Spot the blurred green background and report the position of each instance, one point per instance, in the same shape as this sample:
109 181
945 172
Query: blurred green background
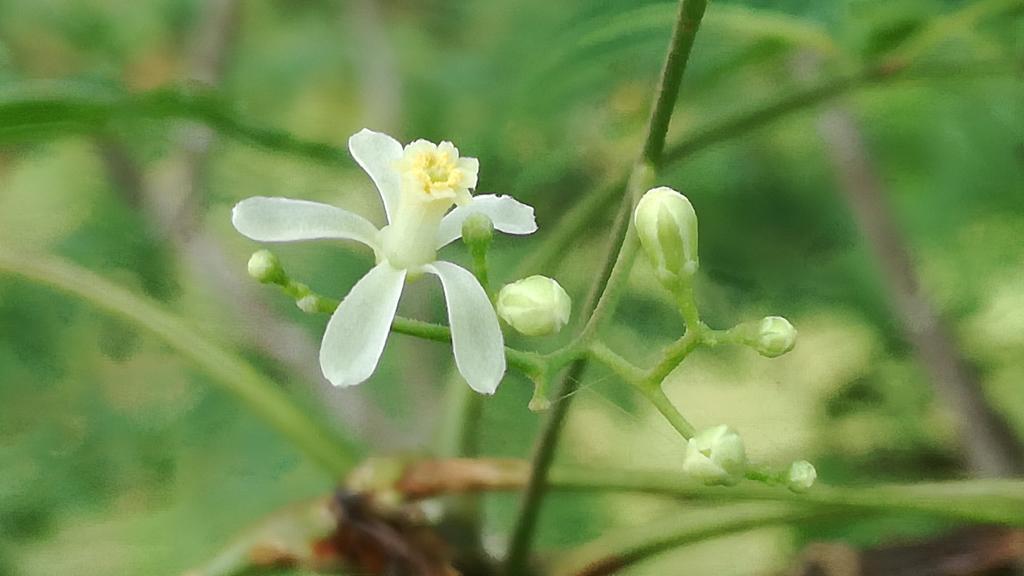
118 457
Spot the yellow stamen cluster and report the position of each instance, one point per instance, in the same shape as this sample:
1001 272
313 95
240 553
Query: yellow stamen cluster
435 172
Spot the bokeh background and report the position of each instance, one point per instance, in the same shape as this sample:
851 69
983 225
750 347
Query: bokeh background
887 224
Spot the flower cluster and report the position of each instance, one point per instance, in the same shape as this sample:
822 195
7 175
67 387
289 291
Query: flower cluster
427 192
419 184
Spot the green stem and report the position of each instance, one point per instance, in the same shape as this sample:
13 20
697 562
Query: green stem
643 382
585 211
265 398
688 307
622 367
76 109
674 354
688 20
995 501
657 397
617 551
601 302
528 363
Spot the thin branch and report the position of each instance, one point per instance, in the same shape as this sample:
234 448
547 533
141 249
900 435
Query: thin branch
982 500
576 220
614 552
68 109
610 279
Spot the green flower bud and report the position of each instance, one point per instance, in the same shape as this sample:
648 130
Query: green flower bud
265 267
801 476
667 227
534 306
477 230
716 456
775 336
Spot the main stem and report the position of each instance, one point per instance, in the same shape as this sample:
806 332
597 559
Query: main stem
600 301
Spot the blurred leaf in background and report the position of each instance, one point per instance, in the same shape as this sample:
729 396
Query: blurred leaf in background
117 457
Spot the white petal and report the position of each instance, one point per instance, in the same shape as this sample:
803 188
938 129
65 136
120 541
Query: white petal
508 215
285 220
378 153
476 337
356 334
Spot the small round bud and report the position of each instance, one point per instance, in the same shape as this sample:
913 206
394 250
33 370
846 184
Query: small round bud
477 230
801 476
716 456
265 267
667 227
775 337
534 306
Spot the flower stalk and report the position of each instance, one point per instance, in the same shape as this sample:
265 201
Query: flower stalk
610 281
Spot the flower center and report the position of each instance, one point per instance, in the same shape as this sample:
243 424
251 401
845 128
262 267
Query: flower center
433 178
435 172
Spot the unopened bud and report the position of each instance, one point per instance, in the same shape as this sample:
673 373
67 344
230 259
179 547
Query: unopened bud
534 306
477 231
716 456
667 227
801 476
775 336
265 267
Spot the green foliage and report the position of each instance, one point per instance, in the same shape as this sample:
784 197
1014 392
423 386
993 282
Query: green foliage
118 458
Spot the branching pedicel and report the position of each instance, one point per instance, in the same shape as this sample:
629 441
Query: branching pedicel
419 184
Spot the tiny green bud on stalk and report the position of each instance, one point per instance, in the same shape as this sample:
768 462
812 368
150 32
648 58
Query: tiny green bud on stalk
801 476
265 267
534 306
716 456
667 227
477 231
775 337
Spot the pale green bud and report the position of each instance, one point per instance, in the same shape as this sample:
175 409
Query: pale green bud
477 230
534 306
265 267
716 456
801 476
667 227
775 337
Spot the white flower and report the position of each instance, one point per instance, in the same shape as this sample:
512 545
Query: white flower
716 456
418 184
